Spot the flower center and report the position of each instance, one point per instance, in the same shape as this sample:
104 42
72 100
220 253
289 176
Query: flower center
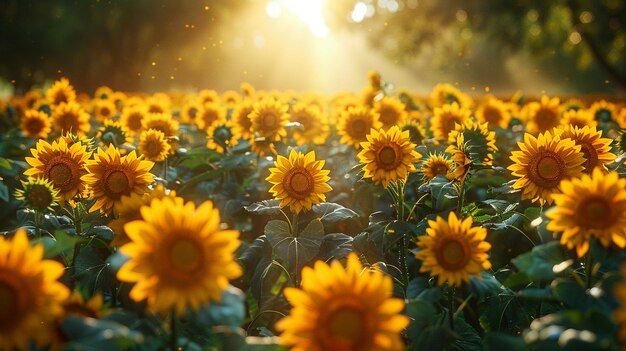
40 197
546 119
388 116
546 169
492 115
595 212
439 168
34 126
11 300
60 174
105 112
388 157
591 157
153 148
270 121
185 255
117 182
453 254
346 323
134 121
359 127
298 182
60 97
68 122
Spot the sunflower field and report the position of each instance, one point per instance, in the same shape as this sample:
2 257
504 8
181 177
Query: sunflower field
276 220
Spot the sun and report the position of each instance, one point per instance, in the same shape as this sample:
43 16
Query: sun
309 12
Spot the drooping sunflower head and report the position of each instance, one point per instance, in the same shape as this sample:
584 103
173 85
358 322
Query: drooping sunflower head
590 206
435 165
495 113
475 140
578 118
417 132
542 116
346 309
314 128
104 109
70 117
35 124
247 89
263 147
603 111
132 117
445 117
355 123
268 118
112 176
221 136
179 256
113 133
374 79
299 181
453 250
596 150
210 114
542 163
61 92
153 145
62 164
461 163
388 156
30 294
391 111
38 194
129 209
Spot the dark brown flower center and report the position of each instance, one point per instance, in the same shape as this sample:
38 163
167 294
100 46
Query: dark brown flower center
453 254
546 169
388 116
594 212
117 183
40 197
359 128
546 119
13 295
34 126
270 121
388 157
153 148
591 157
348 324
62 172
492 115
298 182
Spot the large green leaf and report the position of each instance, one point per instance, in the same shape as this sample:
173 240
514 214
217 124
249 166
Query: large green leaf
538 264
298 250
330 213
265 207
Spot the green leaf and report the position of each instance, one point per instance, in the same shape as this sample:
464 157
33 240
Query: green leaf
91 271
571 294
103 232
539 262
335 245
498 341
60 244
443 192
265 207
295 251
4 163
92 334
229 311
4 192
330 213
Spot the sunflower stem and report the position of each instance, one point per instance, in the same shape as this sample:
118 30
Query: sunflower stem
38 223
294 222
589 269
451 307
174 336
165 166
459 209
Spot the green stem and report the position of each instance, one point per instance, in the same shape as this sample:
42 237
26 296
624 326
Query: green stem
174 336
294 222
165 166
589 269
38 223
459 209
451 307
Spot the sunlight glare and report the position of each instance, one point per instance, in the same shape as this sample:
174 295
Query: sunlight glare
307 11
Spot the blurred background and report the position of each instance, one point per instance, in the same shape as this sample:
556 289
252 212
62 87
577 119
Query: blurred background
567 47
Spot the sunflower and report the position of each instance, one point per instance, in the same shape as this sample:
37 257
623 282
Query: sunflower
210 114
476 140
111 176
76 306
388 156
436 165
231 98
620 117
590 206
263 147
104 109
299 181
355 123
374 79
35 124
132 117
113 133
578 118
158 103
542 163
38 194
369 96
242 125
445 117
269 118
62 164
495 113
128 210
417 132
103 92
603 111
70 117
153 145
445 94
221 137
572 105
162 122
315 128
190 111
542 116
343 309
179 256
453 250
247 89
461 164
596 150
30 295
391 112
208 96
61 91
